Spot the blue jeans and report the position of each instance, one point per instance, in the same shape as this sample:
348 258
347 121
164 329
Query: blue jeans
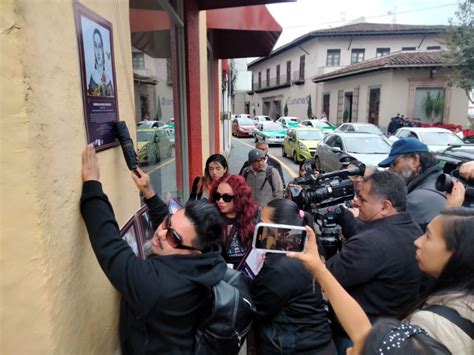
342 343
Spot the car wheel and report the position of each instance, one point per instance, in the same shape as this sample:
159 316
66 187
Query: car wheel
317 163
295 157
283 153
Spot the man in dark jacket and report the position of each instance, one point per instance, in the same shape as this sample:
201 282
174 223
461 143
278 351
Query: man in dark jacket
377 265
412 161
163 296
268 159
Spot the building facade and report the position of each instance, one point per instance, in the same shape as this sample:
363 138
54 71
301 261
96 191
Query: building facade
282 81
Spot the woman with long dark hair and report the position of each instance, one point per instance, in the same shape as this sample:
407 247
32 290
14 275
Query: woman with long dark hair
441 322
233 197
216 167
292 318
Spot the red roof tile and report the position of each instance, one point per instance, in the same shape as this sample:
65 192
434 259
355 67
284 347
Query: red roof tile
395 60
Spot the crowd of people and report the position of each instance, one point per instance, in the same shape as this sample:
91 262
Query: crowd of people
402 282
399 121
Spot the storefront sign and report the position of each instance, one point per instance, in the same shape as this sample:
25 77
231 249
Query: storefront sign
99 88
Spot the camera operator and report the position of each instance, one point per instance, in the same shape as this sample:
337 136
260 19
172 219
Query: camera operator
456 197
377 265
412 161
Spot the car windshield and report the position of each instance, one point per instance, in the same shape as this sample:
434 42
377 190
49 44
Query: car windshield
367 145
310 135
245 121
368 129
440 138
273 128
143 136
320 124
264 118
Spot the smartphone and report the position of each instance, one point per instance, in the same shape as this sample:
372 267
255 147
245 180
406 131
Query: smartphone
279 238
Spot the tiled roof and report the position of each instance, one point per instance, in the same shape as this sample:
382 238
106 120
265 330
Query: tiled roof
395 60
358 29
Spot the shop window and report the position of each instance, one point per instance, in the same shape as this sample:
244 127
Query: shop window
288 71
259 79
302 61
278 74
268 77
358 55
333 57
405 49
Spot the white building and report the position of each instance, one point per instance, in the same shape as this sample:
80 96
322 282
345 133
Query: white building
283 79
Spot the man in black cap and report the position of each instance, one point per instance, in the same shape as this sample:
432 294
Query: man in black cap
264 180
412 161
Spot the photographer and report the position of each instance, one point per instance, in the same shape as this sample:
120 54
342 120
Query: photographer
412 161
377 265
163 297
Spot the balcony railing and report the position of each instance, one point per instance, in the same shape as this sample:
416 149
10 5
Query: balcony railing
298 77
272 85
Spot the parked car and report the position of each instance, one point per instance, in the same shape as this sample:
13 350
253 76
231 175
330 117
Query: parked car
288 122
242 115
435 138
452 157
153 145
151 124
321 124
368 148
300 143
242 127
260 119
170 129
270 132
359 127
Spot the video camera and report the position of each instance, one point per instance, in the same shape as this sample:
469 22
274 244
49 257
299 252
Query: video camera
322 195
444 183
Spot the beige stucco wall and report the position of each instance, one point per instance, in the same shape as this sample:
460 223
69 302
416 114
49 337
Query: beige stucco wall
54 297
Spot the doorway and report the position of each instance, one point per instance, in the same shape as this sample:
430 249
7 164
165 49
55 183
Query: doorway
347 114
374 106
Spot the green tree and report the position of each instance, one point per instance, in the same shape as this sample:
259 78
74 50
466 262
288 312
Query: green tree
310 110
460 42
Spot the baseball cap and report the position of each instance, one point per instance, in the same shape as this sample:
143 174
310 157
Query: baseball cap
255 154
403 146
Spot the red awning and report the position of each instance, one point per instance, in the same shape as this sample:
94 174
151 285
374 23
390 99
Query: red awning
240 32
220 4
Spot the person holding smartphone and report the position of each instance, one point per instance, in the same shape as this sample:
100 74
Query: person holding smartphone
291 315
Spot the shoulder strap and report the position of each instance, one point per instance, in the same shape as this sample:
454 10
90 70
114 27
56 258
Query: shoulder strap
269 178
246 172
453 316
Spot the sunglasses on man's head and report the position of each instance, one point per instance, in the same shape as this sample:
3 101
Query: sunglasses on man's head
225 197
173 238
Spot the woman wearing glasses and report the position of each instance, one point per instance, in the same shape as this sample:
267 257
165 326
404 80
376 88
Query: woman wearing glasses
216 167
233 198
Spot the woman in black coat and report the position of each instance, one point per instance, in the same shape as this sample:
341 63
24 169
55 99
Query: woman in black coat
292 317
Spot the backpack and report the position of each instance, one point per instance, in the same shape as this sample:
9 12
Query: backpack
229 318
268 177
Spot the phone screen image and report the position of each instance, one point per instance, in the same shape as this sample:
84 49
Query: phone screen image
279 238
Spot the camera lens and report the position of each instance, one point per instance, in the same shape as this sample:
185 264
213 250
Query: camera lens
444 183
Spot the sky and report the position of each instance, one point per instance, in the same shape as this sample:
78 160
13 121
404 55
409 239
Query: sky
303 16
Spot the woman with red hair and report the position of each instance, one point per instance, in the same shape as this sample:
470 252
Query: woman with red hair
233 197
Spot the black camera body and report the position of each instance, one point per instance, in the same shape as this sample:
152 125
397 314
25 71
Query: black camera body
322 196
444 183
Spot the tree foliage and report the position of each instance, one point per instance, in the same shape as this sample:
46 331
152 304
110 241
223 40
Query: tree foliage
460 42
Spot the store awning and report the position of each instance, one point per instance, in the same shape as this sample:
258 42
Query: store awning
237 32
240 32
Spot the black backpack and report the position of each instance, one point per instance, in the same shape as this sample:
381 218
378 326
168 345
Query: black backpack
268 177
229 318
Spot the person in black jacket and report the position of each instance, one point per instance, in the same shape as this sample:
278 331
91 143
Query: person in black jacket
268 159
377 265
163 297
292 318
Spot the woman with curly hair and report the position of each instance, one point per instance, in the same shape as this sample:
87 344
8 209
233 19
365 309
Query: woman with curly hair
216 167
233 197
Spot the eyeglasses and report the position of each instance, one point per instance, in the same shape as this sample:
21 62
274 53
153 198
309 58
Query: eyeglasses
225 197
173 238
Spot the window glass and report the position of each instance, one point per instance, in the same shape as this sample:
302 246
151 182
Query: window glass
357 55
333 57
382 51
367 145
155 88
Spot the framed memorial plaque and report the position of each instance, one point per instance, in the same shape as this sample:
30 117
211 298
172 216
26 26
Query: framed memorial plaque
131 234
99 87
